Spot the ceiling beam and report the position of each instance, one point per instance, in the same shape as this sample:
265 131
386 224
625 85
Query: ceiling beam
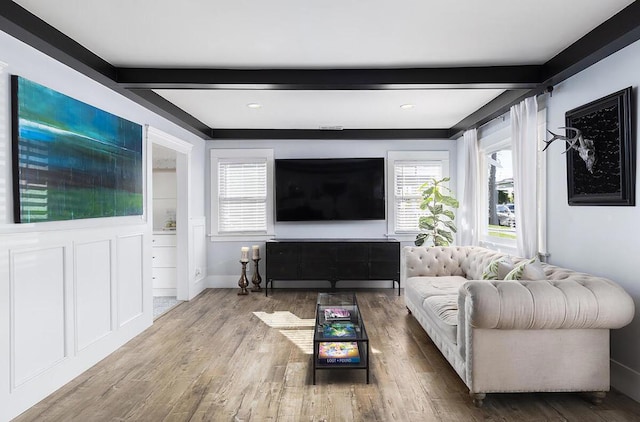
28 28
489 77
356 134
612 35
609 37
136 83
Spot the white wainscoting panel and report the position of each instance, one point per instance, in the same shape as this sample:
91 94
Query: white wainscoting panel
93 283
198 256
130 280
38 312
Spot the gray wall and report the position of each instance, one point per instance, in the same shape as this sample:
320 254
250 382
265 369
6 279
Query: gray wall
601 240
223 256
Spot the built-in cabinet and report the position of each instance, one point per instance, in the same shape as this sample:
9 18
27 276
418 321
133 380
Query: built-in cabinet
164 273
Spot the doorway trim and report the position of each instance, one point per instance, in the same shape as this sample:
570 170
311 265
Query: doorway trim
183 207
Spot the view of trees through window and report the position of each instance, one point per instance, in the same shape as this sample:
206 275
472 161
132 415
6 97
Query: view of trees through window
502 218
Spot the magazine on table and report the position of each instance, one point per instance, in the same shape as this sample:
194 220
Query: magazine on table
334 314
338 352
339 329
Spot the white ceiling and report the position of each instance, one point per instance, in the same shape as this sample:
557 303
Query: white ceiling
258 34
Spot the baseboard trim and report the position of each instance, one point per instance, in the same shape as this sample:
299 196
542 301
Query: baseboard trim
222 281
626 380
165 292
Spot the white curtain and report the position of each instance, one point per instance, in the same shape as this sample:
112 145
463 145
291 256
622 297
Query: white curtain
468 212
524 129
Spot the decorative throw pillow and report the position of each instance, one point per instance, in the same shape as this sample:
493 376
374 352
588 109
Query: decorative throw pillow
530 269
497 269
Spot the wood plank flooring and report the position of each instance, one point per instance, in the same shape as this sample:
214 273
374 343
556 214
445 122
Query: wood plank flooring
223 357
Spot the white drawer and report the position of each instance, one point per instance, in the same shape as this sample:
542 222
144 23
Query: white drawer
164 240
164 256
164 278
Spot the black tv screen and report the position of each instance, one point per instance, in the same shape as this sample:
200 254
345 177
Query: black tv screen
330 189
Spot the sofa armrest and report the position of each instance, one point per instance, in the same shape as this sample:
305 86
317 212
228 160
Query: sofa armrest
588 303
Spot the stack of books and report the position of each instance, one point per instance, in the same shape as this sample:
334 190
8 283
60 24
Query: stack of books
338 352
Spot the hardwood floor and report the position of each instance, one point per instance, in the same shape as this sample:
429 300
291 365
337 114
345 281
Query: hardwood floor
223 357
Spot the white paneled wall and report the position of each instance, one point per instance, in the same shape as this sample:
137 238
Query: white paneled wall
37 318
93 291
74 296
198 258
72 292
130 288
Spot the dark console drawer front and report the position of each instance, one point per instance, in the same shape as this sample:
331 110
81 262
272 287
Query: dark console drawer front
282 252
352 252
387 252
315 270
320 252
352 271
282 270
384 271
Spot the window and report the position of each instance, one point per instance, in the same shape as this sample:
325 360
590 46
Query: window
241 186
497 212
407 171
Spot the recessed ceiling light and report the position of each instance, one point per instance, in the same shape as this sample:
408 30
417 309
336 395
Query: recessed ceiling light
407 106
254 105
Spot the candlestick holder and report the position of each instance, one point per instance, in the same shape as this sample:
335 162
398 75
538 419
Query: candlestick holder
256 279
243 282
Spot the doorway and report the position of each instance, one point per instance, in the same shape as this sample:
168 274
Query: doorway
169 210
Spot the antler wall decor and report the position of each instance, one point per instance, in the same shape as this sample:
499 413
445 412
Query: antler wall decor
585 147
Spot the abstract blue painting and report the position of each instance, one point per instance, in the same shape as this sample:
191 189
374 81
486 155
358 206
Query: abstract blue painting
72 160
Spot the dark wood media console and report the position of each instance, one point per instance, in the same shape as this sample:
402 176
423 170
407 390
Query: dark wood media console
333 260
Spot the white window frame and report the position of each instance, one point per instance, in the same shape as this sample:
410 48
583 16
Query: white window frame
246 155
442 157
493 137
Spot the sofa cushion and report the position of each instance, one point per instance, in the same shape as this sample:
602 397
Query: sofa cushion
498 269
417 289
530 269
444 310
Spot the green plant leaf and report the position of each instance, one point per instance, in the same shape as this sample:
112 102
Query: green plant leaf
447 236
428 191
420 238
451 226
449 214
449 201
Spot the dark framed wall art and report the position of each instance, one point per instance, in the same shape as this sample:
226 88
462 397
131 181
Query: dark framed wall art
606 123
71 160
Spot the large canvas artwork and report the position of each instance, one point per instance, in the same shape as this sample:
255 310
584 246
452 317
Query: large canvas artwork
72 160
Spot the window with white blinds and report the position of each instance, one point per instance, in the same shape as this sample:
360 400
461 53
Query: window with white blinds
242 196
240 191
408 170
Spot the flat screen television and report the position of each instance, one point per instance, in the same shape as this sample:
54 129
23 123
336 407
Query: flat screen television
330 189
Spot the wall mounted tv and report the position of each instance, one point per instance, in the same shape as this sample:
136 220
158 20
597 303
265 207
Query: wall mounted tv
71 160
330 189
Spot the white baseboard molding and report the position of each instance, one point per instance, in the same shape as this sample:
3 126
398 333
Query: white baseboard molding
199 286
165 292
222 281
625 380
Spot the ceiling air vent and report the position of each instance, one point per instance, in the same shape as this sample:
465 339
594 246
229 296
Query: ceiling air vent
331 128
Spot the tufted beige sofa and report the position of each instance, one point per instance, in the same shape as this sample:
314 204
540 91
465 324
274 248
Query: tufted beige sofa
515 336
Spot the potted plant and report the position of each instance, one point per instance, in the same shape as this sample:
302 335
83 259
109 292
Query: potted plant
438 224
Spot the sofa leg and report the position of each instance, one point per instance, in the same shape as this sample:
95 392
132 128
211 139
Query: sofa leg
477 398
408 310
597 397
